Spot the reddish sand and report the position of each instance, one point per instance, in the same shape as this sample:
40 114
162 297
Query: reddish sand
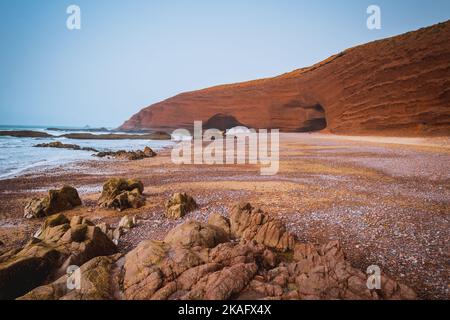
398 86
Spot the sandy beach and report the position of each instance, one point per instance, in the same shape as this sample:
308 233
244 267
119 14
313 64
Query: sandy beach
386 200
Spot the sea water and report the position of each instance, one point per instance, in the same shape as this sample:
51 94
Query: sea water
17 155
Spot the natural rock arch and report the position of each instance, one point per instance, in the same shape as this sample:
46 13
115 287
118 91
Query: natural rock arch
222 122
315 119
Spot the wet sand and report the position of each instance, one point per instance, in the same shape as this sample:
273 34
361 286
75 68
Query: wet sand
386 199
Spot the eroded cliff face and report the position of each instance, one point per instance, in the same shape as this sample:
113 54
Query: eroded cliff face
395 86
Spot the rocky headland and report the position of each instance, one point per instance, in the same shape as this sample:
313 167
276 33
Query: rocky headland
60 145
159 135
25 134
393 87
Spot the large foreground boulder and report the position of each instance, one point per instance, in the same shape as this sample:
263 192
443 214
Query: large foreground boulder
197 261
193 234
220 222
94 280
121 194
59 243
55 201
179 205
251 223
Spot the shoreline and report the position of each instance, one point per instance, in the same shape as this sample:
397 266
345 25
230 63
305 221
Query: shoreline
43 166
386 202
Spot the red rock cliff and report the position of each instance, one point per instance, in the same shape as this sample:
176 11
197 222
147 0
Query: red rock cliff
395 86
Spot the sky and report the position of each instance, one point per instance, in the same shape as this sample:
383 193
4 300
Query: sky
130 54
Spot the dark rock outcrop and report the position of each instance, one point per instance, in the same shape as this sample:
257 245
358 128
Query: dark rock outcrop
95 277
87 129
156 135
128 155
60 145
58 244
121 194
118 136
179 205
149 153
197 261
55 201
250 223
25 134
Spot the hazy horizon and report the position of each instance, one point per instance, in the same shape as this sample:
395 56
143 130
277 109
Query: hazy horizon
129 55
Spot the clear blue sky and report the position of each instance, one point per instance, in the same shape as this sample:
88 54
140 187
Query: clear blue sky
130 54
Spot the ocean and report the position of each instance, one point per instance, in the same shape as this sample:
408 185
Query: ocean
18 156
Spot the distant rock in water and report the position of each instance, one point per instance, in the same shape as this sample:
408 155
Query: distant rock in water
128 155
55 201
58 144
158 135
118 136
25 134
88 129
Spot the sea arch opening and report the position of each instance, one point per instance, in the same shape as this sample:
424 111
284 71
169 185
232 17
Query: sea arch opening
313 118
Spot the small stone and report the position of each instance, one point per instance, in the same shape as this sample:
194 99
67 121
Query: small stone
148 152
110 234
117 233
127 223
104 227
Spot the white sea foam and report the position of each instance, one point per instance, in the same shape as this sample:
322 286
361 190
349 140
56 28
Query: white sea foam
17 155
